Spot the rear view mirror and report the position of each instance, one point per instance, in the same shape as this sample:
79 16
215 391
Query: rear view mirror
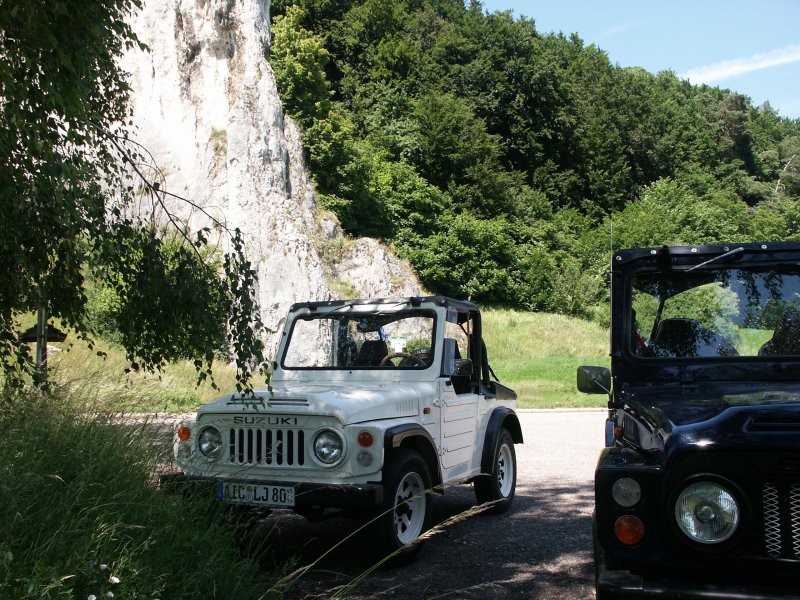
594 380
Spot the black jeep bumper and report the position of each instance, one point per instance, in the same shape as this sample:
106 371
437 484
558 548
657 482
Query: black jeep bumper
623 584
364 495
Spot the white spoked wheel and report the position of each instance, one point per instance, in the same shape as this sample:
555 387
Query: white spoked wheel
498 486
406 509
506 467
409 508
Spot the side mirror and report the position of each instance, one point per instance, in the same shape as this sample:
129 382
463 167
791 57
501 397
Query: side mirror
462 367
594 380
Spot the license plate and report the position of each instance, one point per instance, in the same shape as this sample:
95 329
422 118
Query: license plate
255 494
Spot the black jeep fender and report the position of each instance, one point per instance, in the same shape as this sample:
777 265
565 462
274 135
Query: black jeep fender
416 437
501 418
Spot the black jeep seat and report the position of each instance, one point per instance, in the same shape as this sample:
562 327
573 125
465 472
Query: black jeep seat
688 338
371 353
677 337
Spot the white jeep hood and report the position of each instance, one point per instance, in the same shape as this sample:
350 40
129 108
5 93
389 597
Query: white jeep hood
348 402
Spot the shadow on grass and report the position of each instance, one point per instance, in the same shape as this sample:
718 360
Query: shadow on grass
541 548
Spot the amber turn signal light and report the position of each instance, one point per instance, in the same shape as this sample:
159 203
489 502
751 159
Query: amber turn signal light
629 530
365 439
184 433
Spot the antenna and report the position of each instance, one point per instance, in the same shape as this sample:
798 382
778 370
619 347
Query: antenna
611 234
611 254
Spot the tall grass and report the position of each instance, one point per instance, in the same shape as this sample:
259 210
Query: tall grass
537 355
102 382
81 516
97 377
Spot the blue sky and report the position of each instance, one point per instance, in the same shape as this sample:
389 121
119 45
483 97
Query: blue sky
749 47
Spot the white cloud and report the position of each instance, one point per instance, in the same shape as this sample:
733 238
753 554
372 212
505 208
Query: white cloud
620 29
739 66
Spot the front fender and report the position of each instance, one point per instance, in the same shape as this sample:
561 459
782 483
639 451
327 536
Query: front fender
613 464
416 437
501 418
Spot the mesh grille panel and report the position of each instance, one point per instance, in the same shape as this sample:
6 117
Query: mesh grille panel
772 520
781 517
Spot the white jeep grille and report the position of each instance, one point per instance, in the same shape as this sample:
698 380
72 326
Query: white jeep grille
272 447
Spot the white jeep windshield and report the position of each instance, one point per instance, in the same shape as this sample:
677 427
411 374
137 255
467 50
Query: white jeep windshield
715 313
387 340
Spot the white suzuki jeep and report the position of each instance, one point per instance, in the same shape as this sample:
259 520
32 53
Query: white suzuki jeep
372 406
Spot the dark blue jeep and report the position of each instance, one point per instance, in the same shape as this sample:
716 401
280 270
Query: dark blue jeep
698 489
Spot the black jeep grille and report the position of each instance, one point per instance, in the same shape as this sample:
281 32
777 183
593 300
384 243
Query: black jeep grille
272 447
781 515
770 484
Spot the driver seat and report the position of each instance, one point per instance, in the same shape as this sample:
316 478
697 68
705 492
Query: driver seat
371 353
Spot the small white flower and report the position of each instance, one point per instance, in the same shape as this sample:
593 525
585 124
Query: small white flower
92 597
113 579
103 566
110 594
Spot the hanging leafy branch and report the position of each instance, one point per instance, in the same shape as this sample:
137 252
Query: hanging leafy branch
78 203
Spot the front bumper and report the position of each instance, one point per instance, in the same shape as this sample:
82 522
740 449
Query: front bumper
326 495
623 584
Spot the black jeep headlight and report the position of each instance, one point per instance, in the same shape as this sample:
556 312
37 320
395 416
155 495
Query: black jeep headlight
328 447
209 442
707 512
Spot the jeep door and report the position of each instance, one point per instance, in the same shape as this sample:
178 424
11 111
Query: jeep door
459 399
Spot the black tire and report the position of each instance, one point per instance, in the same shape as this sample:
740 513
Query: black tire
498 486
406 511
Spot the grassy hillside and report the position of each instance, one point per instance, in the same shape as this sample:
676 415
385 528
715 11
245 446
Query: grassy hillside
534 353
537 354
101 382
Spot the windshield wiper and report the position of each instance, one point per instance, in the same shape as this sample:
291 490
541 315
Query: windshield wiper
710 260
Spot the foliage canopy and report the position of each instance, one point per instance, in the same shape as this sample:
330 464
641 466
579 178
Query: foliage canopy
73 187
516 151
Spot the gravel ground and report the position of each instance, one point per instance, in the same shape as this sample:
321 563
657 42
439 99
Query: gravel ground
541 548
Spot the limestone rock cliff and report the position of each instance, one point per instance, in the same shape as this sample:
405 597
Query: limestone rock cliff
206 106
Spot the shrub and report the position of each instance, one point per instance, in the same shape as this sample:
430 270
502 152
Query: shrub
102 312
79 508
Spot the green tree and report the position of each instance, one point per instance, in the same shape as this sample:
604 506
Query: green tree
668 213
788 176
467 257
299 59
539 133
69 176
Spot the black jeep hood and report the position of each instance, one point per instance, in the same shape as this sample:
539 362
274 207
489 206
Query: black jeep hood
718 418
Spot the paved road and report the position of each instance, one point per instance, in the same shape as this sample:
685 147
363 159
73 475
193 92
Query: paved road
540 549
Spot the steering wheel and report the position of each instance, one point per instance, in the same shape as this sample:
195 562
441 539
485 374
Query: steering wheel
387 359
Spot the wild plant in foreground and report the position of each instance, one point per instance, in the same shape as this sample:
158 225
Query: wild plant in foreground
76 493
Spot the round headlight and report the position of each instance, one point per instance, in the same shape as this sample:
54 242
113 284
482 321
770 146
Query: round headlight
626 492
707 512
209 442
328 447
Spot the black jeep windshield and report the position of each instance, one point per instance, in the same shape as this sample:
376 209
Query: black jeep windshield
715 313
367 340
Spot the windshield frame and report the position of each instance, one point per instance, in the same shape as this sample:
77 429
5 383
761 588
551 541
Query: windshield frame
734 311
630 372
387 314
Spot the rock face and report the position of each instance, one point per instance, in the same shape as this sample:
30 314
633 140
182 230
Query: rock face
206 107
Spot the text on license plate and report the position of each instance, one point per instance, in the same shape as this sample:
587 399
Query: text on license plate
255 493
